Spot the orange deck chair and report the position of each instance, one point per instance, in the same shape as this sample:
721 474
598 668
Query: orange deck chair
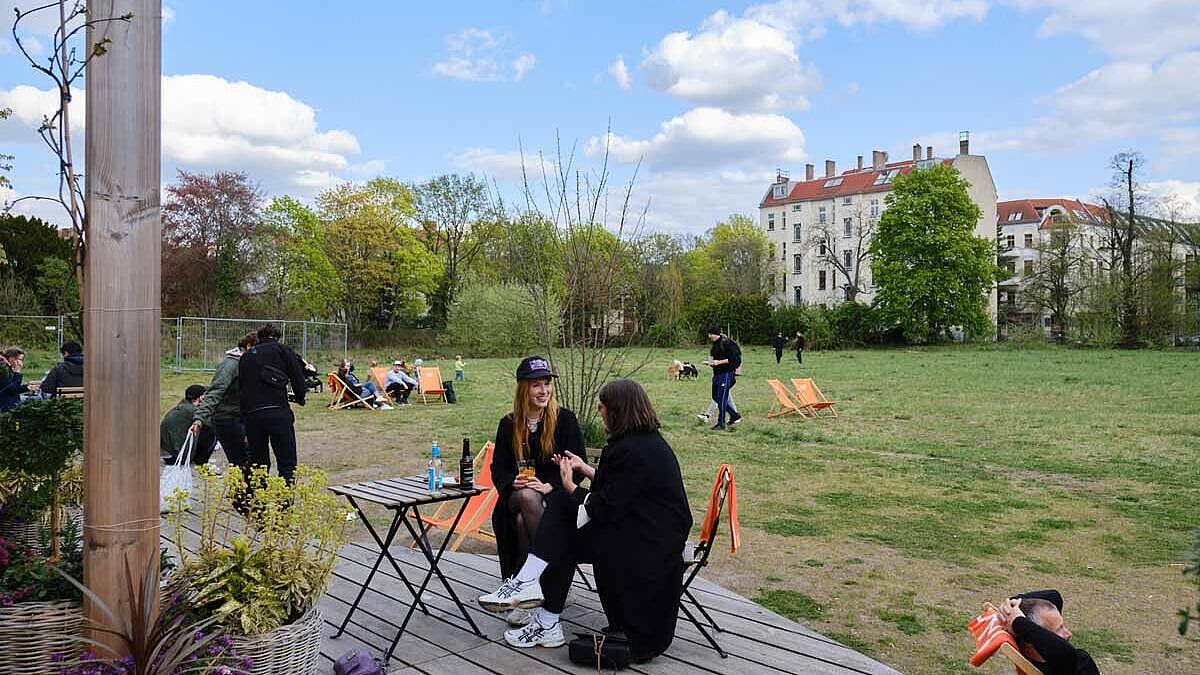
478 513
431 384
723 495
987 629
341 396
811 399
378 375
783 401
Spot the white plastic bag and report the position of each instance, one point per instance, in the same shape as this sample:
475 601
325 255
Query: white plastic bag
177 476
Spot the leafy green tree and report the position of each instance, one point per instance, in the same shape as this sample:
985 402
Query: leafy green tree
56 286
742 257
27 242
508 313
301 280
454 212
930 269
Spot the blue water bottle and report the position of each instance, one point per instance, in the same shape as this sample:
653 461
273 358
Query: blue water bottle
435 469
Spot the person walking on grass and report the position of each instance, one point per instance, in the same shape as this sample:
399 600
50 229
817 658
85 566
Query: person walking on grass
221 410
459 369
264 373
725 359
801 343
779 342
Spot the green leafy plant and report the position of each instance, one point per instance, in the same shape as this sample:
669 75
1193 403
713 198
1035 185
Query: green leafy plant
265 569
28 575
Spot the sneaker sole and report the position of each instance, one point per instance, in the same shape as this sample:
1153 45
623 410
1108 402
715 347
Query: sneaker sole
506 607
548 645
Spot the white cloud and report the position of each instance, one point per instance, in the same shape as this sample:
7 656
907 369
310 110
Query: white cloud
914 14
620 74
737 64
687 202
1143 31
1180 142
168 15
479 55
269 134
1186 192
709 137
495 163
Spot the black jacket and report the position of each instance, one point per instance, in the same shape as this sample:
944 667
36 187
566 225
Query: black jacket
1061 658
68 373
725 348
640 521
779 342
265 361
567 436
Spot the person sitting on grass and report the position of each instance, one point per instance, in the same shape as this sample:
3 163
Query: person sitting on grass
177 424
399 383
363 390
632 525
1036 621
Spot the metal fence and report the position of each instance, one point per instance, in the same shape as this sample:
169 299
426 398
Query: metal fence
190 342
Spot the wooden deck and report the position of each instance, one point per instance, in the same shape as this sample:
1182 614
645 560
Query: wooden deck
756 639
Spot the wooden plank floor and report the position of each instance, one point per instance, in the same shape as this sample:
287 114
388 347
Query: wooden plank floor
756 639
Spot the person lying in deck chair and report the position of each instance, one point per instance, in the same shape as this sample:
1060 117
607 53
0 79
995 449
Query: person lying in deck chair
363 390
399 383
1036 621
632 525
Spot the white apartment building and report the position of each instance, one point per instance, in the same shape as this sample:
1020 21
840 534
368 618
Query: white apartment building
821 227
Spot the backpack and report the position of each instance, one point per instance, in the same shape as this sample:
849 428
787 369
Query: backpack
357 662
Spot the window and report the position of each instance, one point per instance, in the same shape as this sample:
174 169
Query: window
783 221
796 232
783 255
796 264
846 261
1028 269
1028 240
1014 216
833 182
821 215
845 201
797 296
874 208
779 190
1080 214
824 251
846 227
795 207
770 221
1011 266
1009 240
821 280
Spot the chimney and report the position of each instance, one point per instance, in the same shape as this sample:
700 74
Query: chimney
808 172
830 168
916 152
780 176
964 142
860 162
878 159
929 152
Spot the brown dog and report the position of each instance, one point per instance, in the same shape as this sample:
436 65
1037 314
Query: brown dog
673 369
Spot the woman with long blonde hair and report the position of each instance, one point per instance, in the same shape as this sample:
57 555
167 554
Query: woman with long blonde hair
528 439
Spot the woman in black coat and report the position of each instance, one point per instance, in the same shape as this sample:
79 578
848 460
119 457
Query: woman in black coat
534 431
632 526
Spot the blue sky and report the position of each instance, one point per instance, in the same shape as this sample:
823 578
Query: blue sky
712 97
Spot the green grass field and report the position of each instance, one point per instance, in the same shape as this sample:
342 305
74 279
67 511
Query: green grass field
954 475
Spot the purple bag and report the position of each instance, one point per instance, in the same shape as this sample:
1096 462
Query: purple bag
357 662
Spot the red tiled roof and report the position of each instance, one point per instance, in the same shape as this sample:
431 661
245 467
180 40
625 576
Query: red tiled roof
1033 210
854 182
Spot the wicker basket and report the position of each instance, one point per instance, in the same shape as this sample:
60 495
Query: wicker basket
28 532
31 633
293 649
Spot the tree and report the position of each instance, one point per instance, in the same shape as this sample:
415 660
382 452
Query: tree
5 166
931 270
211 224
857 231
28 241
453 209
1060 275
301 282
386 269
743 257
1126 199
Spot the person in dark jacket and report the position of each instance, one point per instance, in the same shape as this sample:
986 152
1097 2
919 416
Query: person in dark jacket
1036 621
779 342
632 525
175 426
725 359
531 434
12 361
801 344
221 409
68 373
264 372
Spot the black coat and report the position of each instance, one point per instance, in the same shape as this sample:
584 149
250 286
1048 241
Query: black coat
725 348
269 357
567 436
640 521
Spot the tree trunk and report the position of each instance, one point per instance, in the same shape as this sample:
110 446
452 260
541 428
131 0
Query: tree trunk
121 309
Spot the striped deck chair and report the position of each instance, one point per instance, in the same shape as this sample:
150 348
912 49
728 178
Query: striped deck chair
342 396
987 630
478 514
811 399
783 401
431 385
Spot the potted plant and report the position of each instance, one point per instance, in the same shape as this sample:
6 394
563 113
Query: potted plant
40 443
261 558
40 615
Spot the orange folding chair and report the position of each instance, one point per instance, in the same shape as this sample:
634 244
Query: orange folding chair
342 396
812 401
431 384
987 630
783 401
378 375
723 491
479 508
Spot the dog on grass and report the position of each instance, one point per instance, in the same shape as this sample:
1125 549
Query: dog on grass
673 369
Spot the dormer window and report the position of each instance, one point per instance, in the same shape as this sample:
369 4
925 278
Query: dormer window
779 191
1014 216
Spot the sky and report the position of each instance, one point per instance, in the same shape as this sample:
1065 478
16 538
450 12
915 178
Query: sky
704 99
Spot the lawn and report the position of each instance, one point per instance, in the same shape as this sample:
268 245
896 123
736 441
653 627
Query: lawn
954 475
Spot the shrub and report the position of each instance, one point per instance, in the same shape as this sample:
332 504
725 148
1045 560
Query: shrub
497 320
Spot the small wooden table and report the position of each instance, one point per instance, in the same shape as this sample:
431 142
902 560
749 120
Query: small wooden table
400 495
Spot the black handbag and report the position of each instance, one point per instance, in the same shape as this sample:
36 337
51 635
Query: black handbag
600 651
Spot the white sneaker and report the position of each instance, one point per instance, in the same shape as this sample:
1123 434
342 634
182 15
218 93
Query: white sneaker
702 417
535 634
518 617
513 594
384 406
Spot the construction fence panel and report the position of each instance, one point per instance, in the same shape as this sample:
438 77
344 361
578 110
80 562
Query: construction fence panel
201 342
31 333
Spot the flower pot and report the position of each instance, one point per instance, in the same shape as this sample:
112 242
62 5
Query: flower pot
293 649
31 633
27 532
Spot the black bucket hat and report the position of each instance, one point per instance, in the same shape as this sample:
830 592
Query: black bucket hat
534 368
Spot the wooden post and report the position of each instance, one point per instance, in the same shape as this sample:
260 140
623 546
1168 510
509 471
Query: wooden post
121 301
